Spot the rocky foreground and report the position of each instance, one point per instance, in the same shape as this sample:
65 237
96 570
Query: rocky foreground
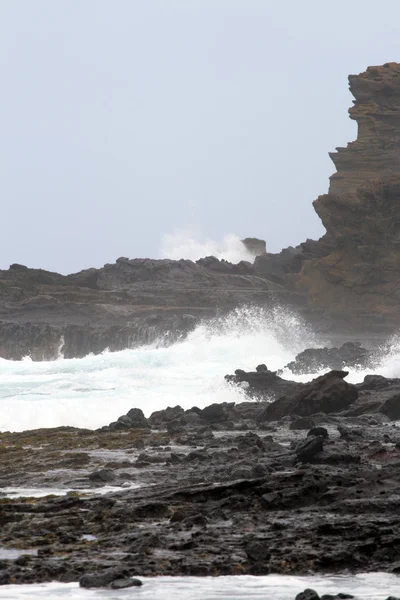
306 483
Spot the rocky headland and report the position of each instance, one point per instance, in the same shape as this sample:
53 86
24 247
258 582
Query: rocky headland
348 281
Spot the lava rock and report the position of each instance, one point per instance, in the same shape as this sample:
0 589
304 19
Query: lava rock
102 579
328 393
391 407
306 450
213 413
102 476
308 594
318 431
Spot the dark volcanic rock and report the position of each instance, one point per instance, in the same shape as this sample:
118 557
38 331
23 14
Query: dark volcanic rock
263 383
391 407
308 594
312 360
328 393
102 476
134 419
122 305
107 577
311 446
213 413
322 431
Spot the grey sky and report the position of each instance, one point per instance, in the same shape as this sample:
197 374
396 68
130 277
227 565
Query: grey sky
121 120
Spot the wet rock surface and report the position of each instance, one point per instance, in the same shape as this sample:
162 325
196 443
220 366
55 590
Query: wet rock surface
221 492
312 360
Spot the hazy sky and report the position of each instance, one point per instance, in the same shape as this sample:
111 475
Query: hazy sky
123 120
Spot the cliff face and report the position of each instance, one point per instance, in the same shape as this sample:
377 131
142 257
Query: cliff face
359 273
122 305
375 153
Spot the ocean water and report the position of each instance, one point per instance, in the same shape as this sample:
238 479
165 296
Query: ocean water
371 586
95 390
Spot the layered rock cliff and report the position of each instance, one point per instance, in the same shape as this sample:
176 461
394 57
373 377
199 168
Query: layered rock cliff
358 272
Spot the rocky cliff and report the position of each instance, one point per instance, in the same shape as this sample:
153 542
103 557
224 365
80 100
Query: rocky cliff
358 270
349 280
122 305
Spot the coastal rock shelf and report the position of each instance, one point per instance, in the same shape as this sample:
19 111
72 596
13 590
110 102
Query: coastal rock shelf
224 490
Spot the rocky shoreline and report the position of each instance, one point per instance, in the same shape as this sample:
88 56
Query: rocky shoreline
303 480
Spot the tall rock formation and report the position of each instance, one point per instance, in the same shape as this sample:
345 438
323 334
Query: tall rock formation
358 274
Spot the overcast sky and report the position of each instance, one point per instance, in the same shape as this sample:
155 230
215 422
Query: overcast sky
123 120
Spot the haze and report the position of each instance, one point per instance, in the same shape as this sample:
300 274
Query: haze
124 120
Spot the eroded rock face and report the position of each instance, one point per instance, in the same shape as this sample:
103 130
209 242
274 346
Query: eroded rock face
328 393
122 305
361 212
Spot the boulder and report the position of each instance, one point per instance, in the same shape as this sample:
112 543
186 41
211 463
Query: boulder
391 407
102 476
263 383
312 360
328 393
308 594
307 449
134 419
103 578
213 413
322 431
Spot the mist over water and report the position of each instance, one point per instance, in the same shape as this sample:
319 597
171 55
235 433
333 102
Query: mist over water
95 390
186 244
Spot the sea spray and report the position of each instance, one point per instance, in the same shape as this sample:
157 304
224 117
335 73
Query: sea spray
95 390
186 244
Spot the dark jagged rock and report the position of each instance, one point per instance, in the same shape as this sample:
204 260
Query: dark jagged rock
263 383
309 448
134 419
328 393
107 577
391 407
312 360
259 496
102 476
308 594
255 246
122 305
322 431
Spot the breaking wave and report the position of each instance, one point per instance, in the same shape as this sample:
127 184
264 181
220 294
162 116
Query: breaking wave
95 390
184 244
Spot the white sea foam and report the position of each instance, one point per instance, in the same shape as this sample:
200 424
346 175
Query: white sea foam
370 586
95 390
185 244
